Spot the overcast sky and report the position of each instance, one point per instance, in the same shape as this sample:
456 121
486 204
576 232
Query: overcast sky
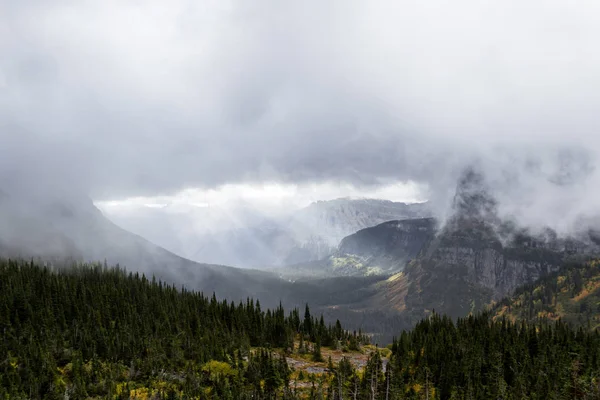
130 98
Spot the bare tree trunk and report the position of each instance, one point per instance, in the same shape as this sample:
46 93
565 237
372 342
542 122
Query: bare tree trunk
372 386
387 383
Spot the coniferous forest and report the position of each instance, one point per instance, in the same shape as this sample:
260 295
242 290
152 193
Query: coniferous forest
92 331
571 294
96 332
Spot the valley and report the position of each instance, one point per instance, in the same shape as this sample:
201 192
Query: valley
381 279
386 283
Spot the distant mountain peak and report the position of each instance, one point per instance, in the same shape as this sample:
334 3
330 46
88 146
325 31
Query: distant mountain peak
473 196
473 201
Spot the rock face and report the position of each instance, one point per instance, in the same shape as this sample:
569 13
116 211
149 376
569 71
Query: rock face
404 238
474 258
495 254
385 248
485 261
474 248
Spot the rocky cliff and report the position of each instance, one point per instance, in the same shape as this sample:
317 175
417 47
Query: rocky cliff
383 249
476 257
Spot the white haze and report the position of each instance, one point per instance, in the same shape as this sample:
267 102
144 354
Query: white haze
129 99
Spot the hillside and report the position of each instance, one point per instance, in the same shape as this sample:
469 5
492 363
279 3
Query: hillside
69 228
95 332
477 358
64 229
571 294
335 219
384 249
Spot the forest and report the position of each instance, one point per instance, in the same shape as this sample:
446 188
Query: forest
572 295
91 331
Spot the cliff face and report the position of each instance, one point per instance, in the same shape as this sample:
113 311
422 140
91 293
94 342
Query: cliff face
385 248
476 257
495 254
489 263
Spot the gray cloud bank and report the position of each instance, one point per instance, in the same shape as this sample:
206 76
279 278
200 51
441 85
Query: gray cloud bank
123 98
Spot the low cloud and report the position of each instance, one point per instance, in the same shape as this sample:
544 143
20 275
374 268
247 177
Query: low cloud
127 98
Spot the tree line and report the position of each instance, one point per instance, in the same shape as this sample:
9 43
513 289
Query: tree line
90 331
94 331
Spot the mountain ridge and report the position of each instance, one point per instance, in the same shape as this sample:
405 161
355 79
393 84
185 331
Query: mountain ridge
255 240
73 230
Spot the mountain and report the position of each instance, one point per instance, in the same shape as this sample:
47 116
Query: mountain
64 229
70 228
246 237
454 266
383 249
571 294
476 257
335 219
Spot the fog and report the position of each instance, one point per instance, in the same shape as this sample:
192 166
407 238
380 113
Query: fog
129 99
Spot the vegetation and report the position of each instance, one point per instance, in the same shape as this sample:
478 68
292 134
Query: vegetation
92 331
571 295
479 358
97 332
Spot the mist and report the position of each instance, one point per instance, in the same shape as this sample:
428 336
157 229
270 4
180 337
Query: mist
119 100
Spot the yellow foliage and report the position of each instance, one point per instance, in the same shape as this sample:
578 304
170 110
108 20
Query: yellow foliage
416 387
589 288
160 385
140 393
119 388
87 367
385 352
219 368
395 277
59 382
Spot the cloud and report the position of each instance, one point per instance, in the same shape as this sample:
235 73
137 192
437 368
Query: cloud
142 98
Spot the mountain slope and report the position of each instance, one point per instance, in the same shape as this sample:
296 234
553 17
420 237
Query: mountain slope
93 332
335 219
387 247
475 258
62 229
572 294
246 237
383 249
56 228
